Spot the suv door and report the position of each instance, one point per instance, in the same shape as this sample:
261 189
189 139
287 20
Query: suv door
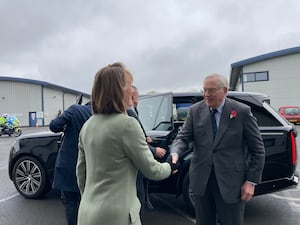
155 113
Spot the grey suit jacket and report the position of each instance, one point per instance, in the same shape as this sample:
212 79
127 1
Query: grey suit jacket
237 153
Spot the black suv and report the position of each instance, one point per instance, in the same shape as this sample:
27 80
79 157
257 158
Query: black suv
32 157
164 114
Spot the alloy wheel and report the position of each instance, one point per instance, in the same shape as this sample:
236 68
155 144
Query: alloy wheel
29 177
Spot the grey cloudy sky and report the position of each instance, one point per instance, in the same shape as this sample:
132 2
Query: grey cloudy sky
168 45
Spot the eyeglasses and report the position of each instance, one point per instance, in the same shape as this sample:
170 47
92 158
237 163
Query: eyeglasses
211 91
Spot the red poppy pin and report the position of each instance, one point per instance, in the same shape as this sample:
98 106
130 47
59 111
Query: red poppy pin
233 114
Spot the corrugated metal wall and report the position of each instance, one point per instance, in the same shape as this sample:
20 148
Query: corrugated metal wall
53 101
283 83
18 99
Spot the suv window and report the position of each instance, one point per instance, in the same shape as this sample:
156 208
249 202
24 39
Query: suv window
180 111
155 113
264 117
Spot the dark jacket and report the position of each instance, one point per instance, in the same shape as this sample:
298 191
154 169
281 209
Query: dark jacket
70 122
134 114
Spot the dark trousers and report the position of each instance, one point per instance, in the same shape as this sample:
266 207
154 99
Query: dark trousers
140 188
211 207
71 202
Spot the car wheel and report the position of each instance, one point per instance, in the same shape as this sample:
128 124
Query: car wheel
29 177
188 194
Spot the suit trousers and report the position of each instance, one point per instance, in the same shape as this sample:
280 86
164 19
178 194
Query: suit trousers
71 201
211 207
140 187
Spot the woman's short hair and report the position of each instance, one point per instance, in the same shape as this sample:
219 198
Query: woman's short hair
107 92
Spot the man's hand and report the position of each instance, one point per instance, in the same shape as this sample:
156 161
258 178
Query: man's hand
173 161
160 152
149 140
247 191
174 158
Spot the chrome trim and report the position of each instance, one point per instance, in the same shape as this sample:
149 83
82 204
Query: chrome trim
278 134
294 178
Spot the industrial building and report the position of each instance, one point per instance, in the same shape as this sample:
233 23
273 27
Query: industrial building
277 74
35 103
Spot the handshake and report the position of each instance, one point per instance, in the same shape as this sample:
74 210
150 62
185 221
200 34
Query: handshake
174 166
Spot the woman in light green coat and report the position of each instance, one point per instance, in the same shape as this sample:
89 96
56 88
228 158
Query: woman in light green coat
112 148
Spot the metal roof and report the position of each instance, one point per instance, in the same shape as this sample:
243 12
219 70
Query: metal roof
237 67
44 84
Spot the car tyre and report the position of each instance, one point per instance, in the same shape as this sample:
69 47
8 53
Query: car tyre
17 132
188 194
29 177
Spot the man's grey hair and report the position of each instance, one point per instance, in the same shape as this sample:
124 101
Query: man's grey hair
223 80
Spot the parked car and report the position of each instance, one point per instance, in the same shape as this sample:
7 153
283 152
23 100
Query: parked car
32 157
291 113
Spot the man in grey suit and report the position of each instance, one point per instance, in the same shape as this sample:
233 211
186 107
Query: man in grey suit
228 154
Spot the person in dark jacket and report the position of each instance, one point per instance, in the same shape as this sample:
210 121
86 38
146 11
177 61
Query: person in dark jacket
158 152
70 122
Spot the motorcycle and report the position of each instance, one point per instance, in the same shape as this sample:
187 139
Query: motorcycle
10 125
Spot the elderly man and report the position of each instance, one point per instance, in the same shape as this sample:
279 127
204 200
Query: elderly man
228 154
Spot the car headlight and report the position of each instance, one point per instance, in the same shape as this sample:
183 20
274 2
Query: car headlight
15 146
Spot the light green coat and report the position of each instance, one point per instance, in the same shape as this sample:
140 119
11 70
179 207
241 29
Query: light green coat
112 149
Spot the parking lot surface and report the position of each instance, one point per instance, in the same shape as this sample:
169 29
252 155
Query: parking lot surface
281 208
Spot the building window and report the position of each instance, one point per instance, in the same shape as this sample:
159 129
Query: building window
255 77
